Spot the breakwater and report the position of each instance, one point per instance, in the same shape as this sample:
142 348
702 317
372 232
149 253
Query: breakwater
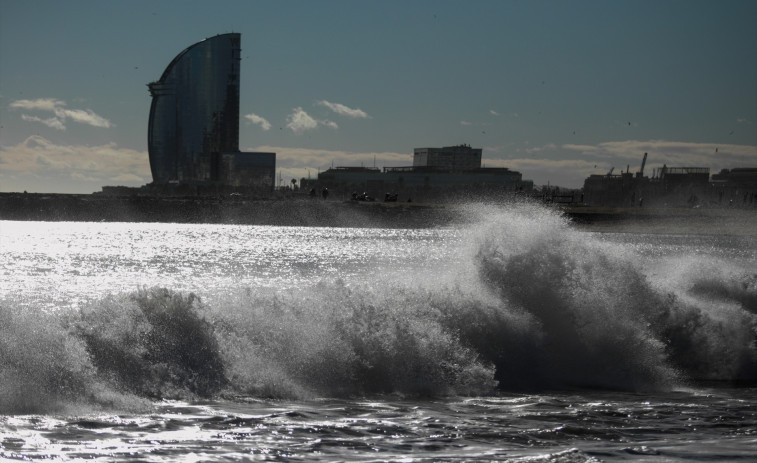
338 213
222 210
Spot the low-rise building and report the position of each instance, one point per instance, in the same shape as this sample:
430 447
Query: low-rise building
436 172
449 158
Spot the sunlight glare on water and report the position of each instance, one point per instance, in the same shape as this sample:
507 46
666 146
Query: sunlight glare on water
67 262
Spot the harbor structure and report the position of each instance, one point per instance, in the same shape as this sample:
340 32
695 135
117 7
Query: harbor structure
736 187
668 186
740 178
193 129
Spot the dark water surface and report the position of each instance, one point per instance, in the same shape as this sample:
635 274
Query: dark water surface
703 425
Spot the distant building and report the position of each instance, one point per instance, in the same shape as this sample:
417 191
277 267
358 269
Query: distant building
435 172
736 187
744 178
668 186
193 131
451 158
350 175
676 178
612 190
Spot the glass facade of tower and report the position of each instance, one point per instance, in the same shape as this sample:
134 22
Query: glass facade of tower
194 116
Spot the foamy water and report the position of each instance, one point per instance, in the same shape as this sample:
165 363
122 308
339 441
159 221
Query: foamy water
514 338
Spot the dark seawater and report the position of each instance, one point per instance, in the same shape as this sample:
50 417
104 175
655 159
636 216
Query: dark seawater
515 338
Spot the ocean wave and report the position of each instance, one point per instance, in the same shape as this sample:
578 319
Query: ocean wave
530 305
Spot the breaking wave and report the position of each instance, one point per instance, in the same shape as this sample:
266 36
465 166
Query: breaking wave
531 305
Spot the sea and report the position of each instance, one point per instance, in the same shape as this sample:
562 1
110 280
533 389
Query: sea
515 336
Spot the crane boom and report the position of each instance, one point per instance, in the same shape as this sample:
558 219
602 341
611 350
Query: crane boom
643 163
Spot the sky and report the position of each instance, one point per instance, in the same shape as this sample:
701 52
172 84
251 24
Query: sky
556 90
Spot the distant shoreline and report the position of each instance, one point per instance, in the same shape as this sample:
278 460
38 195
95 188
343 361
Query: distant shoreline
668 220
336 213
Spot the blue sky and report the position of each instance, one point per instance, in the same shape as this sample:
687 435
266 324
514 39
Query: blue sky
556 90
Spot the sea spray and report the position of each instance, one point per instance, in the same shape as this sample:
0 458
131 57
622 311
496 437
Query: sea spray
517 300
707 316
42 367
710 317
155 344
589 309
342 340
601 322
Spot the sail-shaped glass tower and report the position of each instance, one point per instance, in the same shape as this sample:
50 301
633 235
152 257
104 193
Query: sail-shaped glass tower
193 132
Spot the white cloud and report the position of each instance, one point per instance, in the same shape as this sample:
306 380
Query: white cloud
493 112
343 110
300 121
61 113
466 123
261 121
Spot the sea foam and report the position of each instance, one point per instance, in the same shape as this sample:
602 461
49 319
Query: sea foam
525 302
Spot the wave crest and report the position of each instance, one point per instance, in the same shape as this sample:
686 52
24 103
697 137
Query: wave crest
527 303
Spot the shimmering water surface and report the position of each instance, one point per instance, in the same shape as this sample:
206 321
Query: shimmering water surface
516 338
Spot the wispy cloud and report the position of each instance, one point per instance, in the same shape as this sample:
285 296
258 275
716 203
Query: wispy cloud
53 122
493 112
570 164
261 121
343 110
466 123
39 164
61 113
83 117
300 121
40 104
541 149
672 153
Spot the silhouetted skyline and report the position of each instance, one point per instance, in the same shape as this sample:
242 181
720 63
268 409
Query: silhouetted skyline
556 90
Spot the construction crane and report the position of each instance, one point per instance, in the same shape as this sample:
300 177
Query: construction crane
640 173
